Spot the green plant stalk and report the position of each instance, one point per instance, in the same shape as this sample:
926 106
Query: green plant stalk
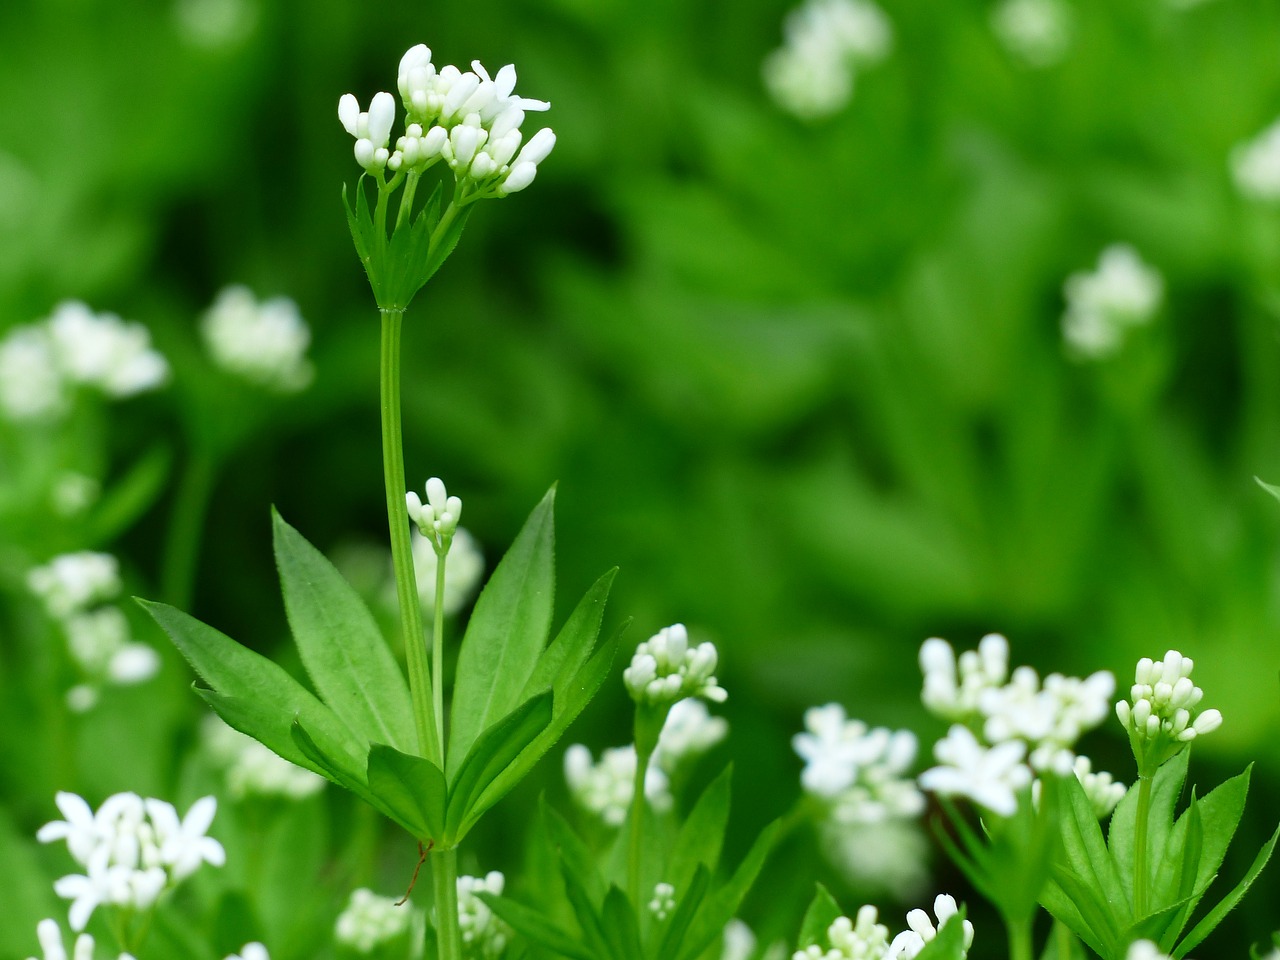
437 650
1140 827
635 843
420 681
182 542
444 882
1020 938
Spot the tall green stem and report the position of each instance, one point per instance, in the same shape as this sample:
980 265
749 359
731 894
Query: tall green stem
635 846
430 737
1020 938
437 649
1140 827
444 882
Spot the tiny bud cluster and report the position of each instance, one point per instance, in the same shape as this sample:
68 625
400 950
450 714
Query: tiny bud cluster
263 342
663 901
607 787
1255 166
867 939
368 921
1161 714
438 518
1104 304
1036 32
132 849
825 43
468 119
484 934
665 668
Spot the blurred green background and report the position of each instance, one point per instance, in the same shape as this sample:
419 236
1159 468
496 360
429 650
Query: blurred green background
803 382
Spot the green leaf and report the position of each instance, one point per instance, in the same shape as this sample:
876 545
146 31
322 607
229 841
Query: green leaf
823 911
1085 850
535 926
949 943
1273 490
506 632
1166 786
702 834
584 910
363 235
721 906
345 774
1064 910
566 654
688 901
413 786
1219 814
1228 903
129 496
492 753
443 243
341 646
272 696
573 852
1100 926
621 928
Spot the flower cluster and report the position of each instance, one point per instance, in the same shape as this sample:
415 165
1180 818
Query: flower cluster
826 41
607 787
437 519
462 574
132 850
75 588
484 934
663 901
41 364
49 935
469 119
251 951
254 770
689 730
665 669
1161 714
1025 725
263 342
1144 950
867 939
370 921
1255 166
1036 32
1103 305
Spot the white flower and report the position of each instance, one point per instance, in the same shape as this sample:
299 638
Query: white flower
183 844
462 572
251 951
1104 304
1100 787
484 934
991 777
215 24
72 582
1163 714
810 87
31 385
370 920
865 939
606 788
956 695
663 901
666 669
438 518
690 729
50 936
739 941
72 493
1050 719
1144 950
1037 32
890 855
104 352
1255 166
371 128
909 943
252 769
263 342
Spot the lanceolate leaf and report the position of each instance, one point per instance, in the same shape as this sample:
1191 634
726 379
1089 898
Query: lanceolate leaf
535 926
411 785
689 899
702 834
822 912
1083 845
585 912
566 654
720 907
1227 904
506 633
343 773
620 926
496 748
342 648
1165 789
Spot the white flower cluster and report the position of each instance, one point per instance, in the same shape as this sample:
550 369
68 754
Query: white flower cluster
40 364
890 856
1144 950
1100 787
263 342
863 773
462 574
826 42
484 934
1255 166
739 941
1104 304
867 939
689 730
665 669
437 519
253 770
1036 32
606 788
1026 725
49 935
663 901
1161 713
251 951
467 118
75 588
370 920
132 850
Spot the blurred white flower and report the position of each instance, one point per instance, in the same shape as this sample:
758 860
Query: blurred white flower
31 384
484 934
1144 950
370 920
100 643
991 777
689 730
909 943
956 695
102 351
215 24
252 769
739 941
463 571
890 855
863 939
1037 32
251 951
72 493
663 901
606 788
49 934
264 342
825 42
1104 304
1255 166
72 582
666 669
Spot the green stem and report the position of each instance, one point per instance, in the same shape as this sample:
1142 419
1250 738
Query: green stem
636 844
1140 828
420 687
1020 938
444 881
405 213
1064 939
437 649
182 542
